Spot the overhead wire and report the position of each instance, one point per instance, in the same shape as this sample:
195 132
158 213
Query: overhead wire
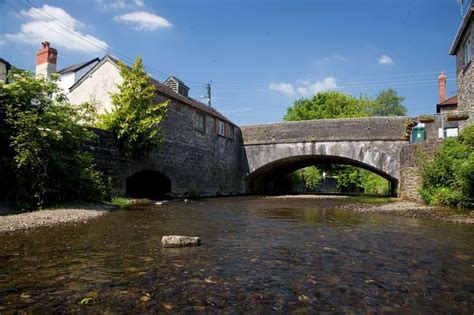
74 36
397 80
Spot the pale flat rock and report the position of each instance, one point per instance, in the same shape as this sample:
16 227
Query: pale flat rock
180 241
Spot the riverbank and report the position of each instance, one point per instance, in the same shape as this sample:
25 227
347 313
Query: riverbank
48 217
395 207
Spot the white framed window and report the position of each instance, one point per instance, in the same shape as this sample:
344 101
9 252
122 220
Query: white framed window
221 127
448 132
467 50
200 121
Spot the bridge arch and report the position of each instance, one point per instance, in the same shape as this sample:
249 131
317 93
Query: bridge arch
269 162
147 184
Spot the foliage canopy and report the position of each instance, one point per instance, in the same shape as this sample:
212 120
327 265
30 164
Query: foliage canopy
135 117
44 159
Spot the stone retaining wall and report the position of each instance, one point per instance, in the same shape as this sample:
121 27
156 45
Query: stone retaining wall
410 172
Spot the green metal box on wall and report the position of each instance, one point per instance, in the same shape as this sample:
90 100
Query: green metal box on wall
418 135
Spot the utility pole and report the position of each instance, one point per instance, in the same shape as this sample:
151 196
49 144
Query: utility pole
209 93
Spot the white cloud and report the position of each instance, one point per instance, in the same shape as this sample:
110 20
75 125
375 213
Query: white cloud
334 59
120 4
385 60
144 21
55 25
304 88
285 88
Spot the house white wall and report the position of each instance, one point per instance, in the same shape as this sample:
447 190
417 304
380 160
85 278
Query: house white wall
98 87
69 78
3 72
66 80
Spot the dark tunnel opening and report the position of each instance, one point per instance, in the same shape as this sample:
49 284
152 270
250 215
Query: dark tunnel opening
148 184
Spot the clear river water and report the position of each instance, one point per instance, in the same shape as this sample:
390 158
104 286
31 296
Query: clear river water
259 255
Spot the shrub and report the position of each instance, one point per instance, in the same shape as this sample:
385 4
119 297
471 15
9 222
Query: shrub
449 178
45 137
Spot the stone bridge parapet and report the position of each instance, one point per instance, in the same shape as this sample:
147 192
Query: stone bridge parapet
345 129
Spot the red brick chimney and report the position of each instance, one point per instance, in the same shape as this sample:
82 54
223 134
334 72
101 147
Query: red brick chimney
46 59
442 87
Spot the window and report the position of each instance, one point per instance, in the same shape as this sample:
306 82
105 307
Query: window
467 50
220 128
230 131
448 132
200 121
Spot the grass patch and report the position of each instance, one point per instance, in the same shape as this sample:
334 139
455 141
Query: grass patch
121 201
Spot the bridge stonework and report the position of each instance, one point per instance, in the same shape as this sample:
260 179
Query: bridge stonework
215 165
373 143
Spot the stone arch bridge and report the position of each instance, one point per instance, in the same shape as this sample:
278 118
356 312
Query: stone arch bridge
257 157
274 150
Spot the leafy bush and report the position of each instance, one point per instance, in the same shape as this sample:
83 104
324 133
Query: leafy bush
449 178
45 138
193 194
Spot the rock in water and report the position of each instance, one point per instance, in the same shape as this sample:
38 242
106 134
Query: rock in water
180 241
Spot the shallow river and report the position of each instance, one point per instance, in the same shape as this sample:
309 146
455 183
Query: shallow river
258 256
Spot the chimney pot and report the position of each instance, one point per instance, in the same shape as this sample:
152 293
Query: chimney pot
442 87
46 59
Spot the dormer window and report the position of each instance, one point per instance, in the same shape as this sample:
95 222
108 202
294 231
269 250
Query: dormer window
467 50
177 85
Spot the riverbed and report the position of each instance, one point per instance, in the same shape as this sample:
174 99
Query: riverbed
259 255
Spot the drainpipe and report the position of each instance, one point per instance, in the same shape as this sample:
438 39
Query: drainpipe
442 125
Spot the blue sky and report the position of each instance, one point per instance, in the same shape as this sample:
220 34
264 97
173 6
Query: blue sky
260 55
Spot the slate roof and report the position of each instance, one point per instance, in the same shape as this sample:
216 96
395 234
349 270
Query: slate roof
462 28
453 100
78 66
161 89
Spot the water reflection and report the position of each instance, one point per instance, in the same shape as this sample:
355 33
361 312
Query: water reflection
258 255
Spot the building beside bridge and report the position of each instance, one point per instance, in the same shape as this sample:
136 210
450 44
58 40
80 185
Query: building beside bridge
463 49
202 148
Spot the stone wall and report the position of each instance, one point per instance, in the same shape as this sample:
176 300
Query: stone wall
465 76
191 159
410 172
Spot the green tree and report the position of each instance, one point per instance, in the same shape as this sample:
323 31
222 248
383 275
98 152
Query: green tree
331 104
135 117
387 103
45 142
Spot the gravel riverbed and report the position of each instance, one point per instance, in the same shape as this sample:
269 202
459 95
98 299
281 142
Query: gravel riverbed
76 213
398 207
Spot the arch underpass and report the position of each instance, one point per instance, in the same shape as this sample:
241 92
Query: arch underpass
274 150
148 184
272 178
